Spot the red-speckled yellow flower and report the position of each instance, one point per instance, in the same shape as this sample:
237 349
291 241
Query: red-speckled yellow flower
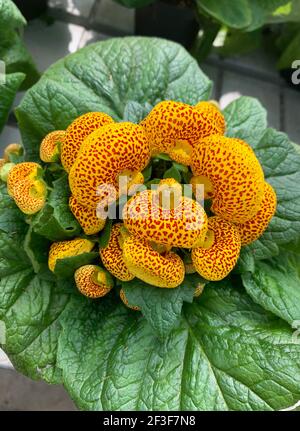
161 270
93 281
87 217
125 301
112 255
116 150
231 172
12 149
175 128
26 186
64 249
51 145
212 117
183 225
252 229
77 132
219 255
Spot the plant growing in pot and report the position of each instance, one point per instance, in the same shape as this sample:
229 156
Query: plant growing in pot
137 313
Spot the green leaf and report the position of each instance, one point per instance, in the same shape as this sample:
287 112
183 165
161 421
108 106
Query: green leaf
262 10
173 172
105 77
163 156
246 119
55 221
147 172
161 307
281 164
11 218
36 248
237 15
275 286
10 16
135 112
104 235
180 167
288 12
290 53
246 261
7 94
66 267
32 329
226 354
16 57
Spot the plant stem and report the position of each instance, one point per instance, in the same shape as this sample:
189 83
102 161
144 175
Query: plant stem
203 45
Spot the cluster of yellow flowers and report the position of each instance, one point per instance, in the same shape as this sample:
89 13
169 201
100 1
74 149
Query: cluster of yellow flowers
96 151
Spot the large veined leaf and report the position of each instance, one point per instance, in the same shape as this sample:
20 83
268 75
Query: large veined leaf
8 92
275 286
161 307
225 353
246 119
104 77
281 164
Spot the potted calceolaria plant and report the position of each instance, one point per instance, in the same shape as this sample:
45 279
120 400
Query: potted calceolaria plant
190 305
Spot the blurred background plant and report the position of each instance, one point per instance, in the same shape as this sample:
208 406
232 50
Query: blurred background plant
227 28
18 66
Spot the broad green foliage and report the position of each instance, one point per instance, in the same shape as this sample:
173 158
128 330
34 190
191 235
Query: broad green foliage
7 94
226 354
246 119
275 286
161 307
69 88
227 350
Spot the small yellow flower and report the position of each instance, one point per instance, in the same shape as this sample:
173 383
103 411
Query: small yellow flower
175 128
183 225
219 254
51 145
15 149
64 249
161 270
115 150
112 255
231 174
252 229
93 281
26 187
76 133
86 217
